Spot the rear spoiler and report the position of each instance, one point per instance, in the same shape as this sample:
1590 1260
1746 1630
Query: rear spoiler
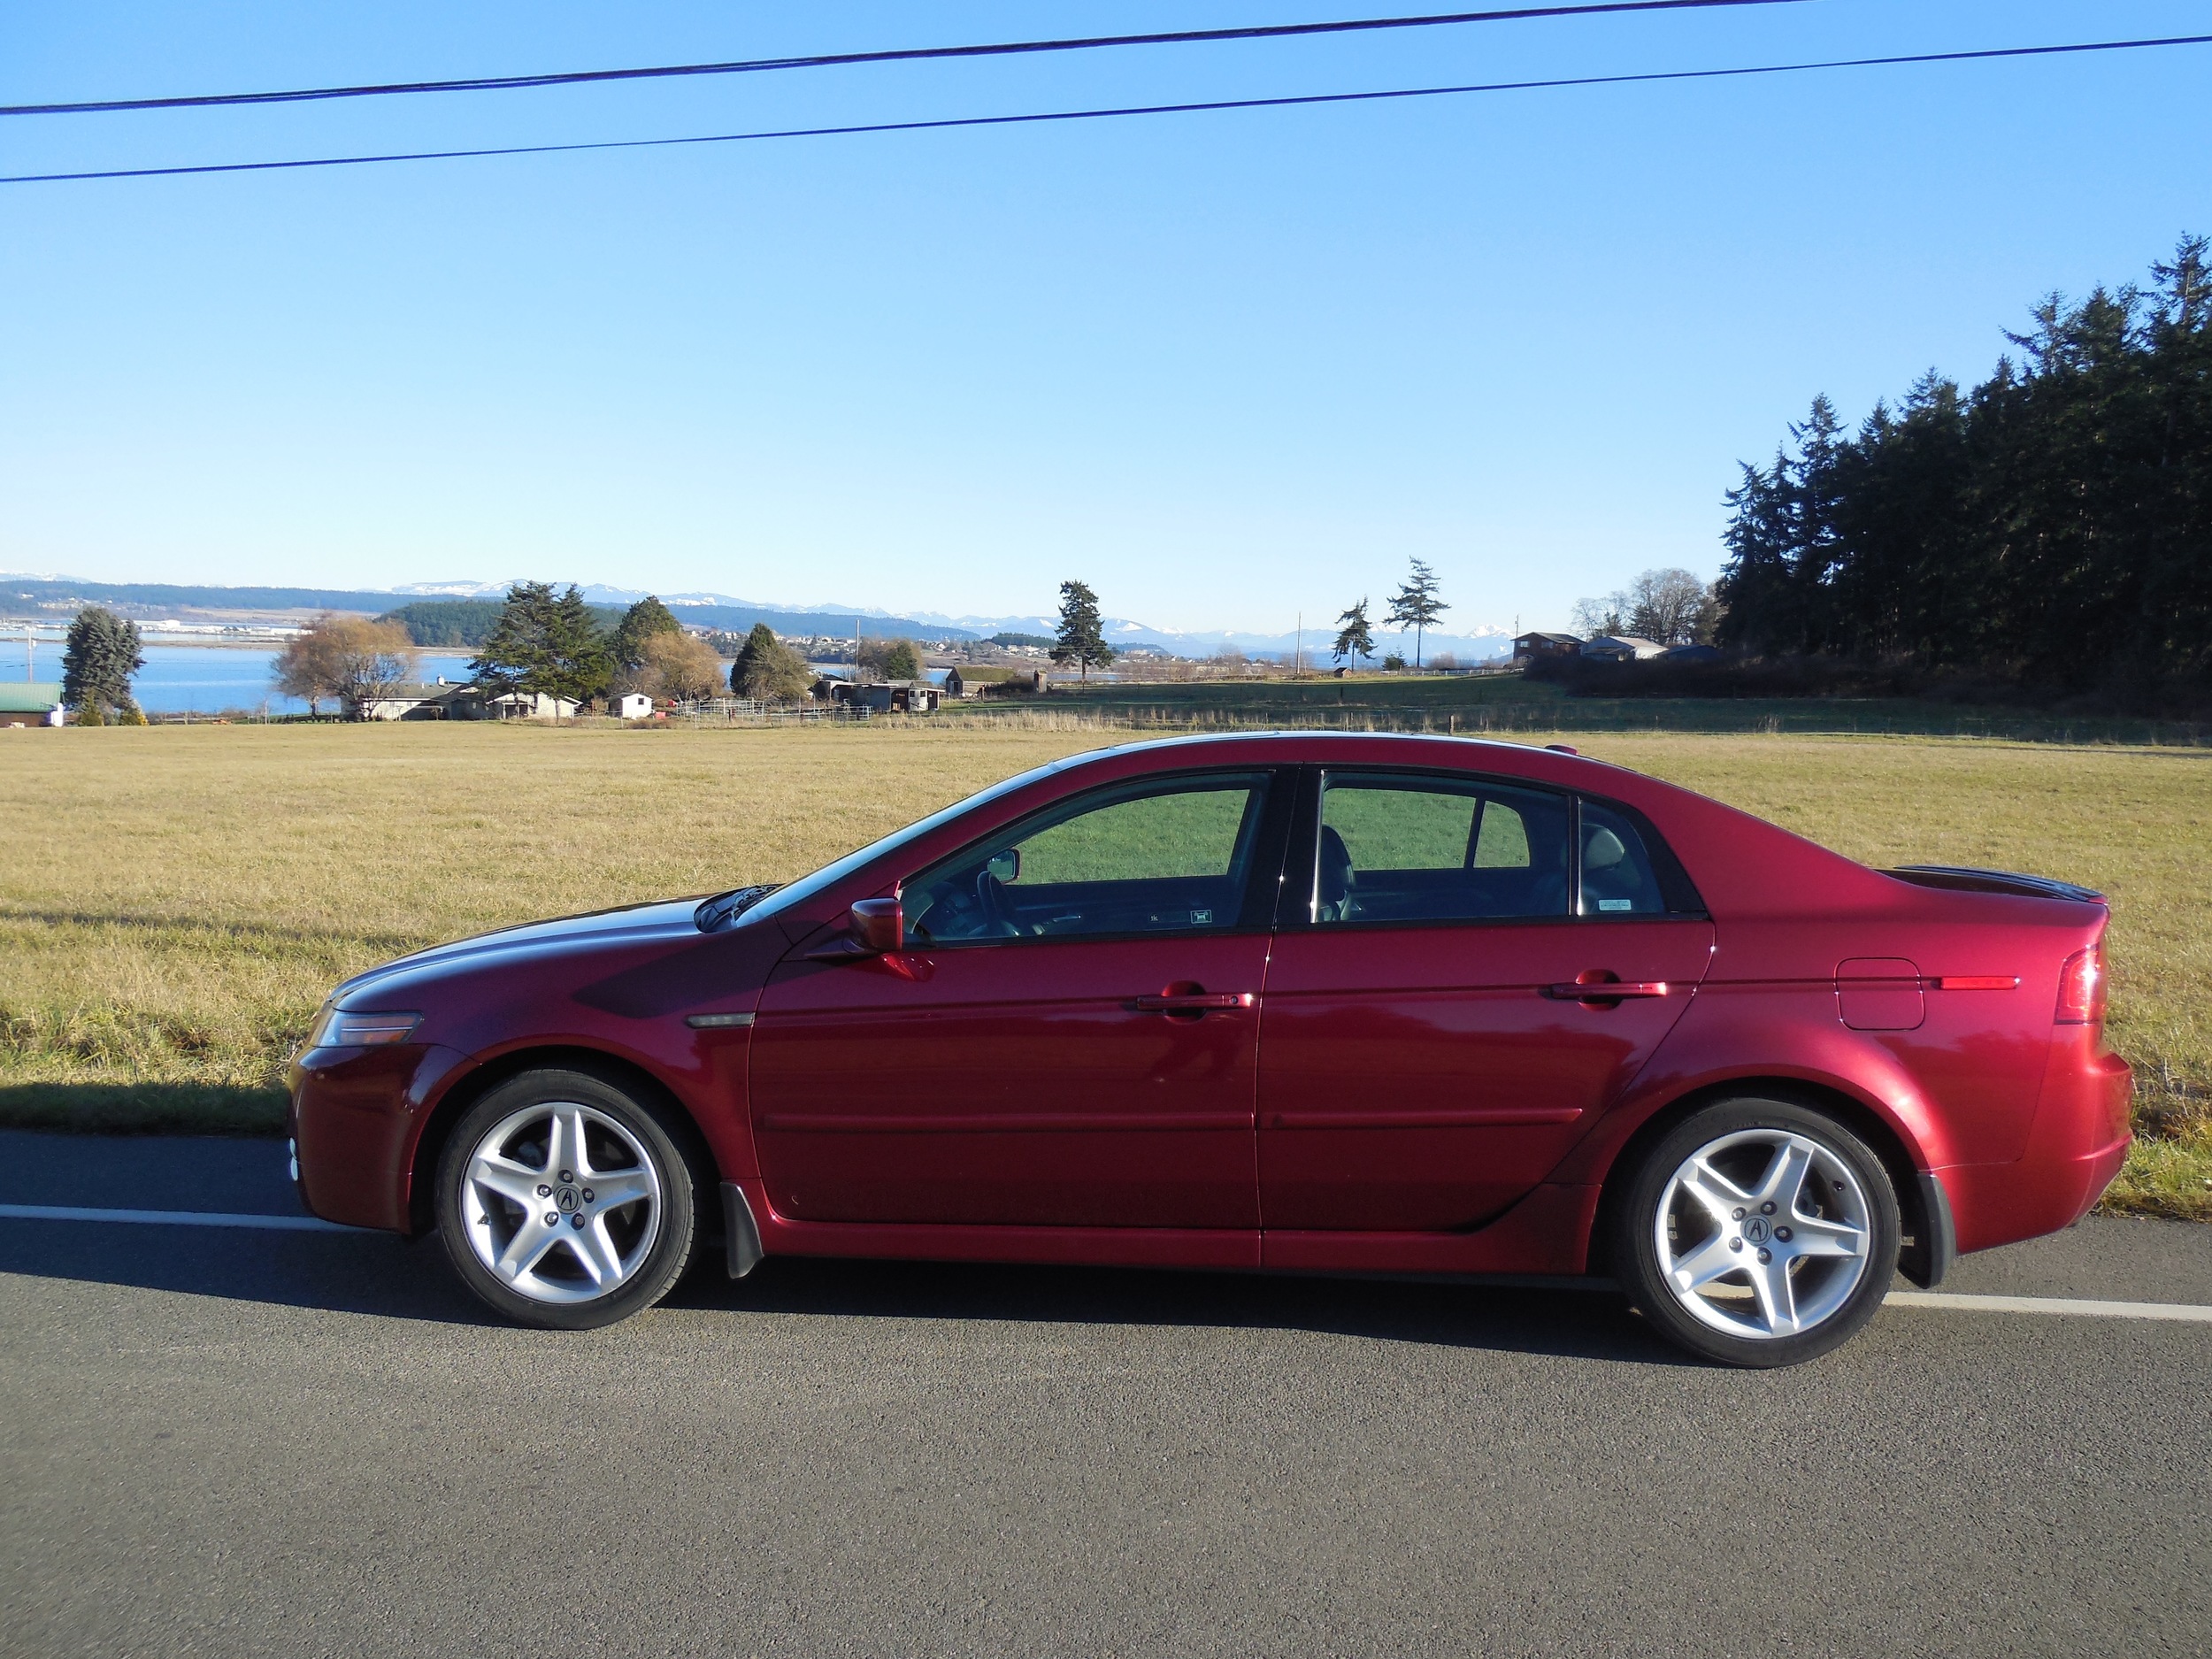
1961 878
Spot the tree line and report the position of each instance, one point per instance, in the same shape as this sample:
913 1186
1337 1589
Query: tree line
2050 528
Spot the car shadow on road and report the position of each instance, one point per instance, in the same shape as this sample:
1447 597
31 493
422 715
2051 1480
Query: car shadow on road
1575 1323
379 1275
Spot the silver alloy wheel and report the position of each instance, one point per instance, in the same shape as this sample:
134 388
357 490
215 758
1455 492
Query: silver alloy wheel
1763 1233
561 1202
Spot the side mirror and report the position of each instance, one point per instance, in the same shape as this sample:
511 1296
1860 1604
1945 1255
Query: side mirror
1006 865
879 925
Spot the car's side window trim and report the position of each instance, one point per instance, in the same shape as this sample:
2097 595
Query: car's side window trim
1255 906
1301 869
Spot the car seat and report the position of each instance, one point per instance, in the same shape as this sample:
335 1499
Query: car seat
1609 874
1333 896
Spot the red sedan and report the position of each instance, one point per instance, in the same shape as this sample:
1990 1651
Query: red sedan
1296 1002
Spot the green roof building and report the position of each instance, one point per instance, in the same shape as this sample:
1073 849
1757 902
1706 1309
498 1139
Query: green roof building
29 702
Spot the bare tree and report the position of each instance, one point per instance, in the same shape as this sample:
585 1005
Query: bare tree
369 661
1668 607
349 660
681 665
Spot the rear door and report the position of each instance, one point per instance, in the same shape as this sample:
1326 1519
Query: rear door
1470 970
1072 1038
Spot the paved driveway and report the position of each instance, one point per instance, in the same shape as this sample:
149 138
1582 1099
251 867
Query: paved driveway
222 1441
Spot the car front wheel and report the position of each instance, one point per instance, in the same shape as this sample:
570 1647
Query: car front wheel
564 1202
1758 1233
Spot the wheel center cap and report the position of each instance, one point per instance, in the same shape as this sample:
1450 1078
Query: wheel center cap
1756 1229
568 1200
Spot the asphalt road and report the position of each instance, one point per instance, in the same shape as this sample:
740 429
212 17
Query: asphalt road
215 1441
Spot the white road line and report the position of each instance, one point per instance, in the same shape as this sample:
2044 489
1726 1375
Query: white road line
2183 1312
171 1218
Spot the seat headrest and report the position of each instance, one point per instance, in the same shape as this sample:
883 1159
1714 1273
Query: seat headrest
1602 850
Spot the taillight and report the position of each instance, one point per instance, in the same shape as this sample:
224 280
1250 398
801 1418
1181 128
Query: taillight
2081 988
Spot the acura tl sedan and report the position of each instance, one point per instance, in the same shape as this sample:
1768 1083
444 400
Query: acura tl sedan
1292 1001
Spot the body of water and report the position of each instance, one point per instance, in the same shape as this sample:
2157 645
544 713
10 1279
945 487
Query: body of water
229 678
216 679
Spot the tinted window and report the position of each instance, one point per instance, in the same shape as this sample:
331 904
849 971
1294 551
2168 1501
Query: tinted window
1147 859
1618 879
1414 850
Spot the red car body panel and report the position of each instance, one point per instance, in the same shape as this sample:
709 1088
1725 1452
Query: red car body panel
1404 1098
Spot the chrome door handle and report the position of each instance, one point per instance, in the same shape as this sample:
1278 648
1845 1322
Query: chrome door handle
1197 1003
1605 990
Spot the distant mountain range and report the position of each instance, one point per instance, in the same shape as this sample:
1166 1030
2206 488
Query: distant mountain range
47 597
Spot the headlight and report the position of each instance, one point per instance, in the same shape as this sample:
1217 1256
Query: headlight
358 1031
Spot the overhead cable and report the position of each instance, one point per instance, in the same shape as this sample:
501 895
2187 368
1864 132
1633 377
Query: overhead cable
1144 109
829 60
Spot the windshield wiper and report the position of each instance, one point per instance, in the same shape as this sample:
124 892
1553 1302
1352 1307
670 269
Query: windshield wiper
724 908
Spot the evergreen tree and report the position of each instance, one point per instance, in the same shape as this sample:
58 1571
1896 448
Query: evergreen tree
1080 639
97 661
2051 526
643 620
545 644
1415 605
1355 639
767 670
902 661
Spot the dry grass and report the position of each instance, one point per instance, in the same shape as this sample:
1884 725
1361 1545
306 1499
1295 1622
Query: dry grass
175 901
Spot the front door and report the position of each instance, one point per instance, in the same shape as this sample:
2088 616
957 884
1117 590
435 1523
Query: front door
1071 1038
1437 1027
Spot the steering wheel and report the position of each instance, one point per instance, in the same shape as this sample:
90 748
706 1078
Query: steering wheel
990 896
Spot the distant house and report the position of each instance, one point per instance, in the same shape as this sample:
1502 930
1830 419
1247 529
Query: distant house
1621 647
1690 654
1529 648
530 705
631 705
974 680
30 702
898 696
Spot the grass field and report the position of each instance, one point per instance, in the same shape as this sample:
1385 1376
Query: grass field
174 903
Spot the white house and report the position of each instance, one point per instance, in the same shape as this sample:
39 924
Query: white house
631 705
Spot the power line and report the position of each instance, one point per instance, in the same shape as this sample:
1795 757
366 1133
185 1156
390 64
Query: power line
1145 108
1006 48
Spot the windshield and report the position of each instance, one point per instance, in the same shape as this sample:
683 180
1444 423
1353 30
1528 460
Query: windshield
829 875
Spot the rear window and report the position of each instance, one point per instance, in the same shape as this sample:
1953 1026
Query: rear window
1618 876
1410 849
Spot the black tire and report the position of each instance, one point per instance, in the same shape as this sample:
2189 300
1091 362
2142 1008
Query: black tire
1737 1327
662 1231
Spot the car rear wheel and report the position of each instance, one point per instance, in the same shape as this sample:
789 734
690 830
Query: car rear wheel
564 1201
1758 1233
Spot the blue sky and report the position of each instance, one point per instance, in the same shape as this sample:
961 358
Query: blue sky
1226 367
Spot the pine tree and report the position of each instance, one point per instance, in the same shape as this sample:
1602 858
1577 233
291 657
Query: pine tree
97 661
1415 605
579 663
544 644
1080 639
767 670
1356 639
643 620
902 661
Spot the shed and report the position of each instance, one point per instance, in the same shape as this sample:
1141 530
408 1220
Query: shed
973 680
898 696
30 702
631 705
1622 648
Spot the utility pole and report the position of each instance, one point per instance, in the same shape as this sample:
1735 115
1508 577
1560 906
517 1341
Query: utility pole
1298 651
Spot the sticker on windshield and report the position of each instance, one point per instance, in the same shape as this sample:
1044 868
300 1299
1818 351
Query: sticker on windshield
1616 904
1202 919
